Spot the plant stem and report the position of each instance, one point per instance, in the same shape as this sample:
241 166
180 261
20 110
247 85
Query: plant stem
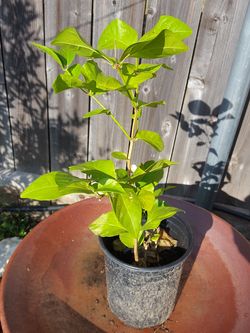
136 256
112 117
132 140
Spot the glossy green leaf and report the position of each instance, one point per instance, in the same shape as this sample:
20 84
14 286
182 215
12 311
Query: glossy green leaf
133 75
103 168
69 79
96 112
70 38
119 155
60 59
121 174
127 239
107 225
152 138
159 191
117 35
147 199
153 104
67 54
54 185
163 45
129 212
108 185
158 213
96 81
175 25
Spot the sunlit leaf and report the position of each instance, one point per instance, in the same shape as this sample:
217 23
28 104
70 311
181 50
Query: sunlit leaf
117 35
108 185
163 45
153 104
119 155
96 81
53 53
54 185
129 212
152 138
106 225
158 213
175 25
127 239
147 199
69 37
69 79
95 113
103 167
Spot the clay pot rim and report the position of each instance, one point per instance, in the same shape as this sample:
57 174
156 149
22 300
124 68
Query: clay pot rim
156 268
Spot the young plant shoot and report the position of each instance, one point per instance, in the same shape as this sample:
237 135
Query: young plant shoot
137 210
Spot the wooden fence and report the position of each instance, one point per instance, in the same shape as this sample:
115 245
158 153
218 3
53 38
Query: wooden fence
40 131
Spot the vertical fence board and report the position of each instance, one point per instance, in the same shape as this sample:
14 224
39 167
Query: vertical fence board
169 85
22 22
218 35
68 131
236 191
6 152
104 134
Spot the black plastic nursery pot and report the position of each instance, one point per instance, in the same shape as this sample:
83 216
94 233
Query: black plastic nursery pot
145 297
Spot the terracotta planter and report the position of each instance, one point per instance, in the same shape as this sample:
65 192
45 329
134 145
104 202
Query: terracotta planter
145 297
55 281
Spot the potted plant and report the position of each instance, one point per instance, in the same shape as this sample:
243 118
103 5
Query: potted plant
143 253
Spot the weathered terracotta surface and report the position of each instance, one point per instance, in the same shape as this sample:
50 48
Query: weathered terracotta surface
55 281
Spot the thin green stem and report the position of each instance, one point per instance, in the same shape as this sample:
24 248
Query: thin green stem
132 140
112 117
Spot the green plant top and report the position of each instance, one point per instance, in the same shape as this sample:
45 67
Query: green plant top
136 207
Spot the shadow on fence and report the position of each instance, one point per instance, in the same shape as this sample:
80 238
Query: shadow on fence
203 126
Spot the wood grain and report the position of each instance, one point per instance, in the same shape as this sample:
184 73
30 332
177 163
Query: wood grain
6 151
104 134
22 22
217 39
68 131
236 192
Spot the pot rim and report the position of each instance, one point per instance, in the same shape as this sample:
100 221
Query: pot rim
156 268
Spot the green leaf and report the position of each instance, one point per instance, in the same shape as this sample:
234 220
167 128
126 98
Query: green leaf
96 112
127 239
150 172
69 79
121 174
163 45
54 185
158 213
108 185
181 29
70 38
134 75
128 210
159 191
103 168
96 81
59 58
153 104
67 54
117 35
119 155
106 225
152 138
147 199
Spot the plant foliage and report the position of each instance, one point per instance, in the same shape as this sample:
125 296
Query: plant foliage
136 206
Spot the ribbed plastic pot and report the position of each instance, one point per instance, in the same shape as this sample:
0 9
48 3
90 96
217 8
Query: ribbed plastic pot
145 297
